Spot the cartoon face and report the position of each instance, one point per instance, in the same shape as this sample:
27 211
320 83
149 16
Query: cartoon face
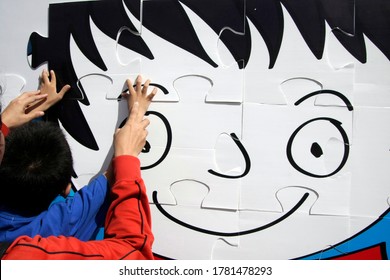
264 141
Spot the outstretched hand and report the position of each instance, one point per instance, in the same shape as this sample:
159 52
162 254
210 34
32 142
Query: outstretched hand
131 138
139 93
15 114
33 104
48 86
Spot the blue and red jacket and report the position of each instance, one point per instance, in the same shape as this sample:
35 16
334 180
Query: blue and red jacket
80 215
127 228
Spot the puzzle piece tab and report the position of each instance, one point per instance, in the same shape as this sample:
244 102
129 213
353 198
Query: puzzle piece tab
270 240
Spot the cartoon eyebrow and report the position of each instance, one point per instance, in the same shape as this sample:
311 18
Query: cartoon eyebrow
327 91
163 89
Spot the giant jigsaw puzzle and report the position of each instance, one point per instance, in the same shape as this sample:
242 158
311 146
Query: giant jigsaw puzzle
269 137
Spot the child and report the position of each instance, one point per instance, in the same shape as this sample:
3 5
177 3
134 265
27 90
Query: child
42 157
37 166
128 232
23 196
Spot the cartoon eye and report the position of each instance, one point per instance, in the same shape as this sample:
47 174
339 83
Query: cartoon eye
319 147
154 152
306 148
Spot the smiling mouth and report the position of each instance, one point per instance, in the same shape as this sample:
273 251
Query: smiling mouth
237 233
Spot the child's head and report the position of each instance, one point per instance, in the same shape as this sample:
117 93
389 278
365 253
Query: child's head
36 167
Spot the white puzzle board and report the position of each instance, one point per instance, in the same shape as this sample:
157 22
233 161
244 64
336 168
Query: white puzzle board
269 137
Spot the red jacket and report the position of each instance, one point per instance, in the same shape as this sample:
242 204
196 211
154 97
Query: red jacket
128 233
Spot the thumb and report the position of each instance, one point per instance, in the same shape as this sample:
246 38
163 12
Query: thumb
33 115
63 91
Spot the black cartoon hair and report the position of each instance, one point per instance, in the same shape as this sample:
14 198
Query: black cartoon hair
350 20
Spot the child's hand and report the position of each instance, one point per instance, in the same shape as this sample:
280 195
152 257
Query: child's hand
139 94
48 86
131 138
15 114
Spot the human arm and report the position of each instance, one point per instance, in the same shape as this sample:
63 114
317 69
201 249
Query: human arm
48 86
128 233
15 114
32 104
80 214
139 93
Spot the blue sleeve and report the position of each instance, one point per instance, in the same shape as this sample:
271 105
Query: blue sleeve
83 213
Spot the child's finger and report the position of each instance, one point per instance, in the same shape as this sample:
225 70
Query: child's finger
152 94
31 97
45 76
63 91
138 83
33 115
53 77
145 87
130 87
